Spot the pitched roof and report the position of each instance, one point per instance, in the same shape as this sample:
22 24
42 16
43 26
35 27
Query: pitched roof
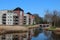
29 13
18 8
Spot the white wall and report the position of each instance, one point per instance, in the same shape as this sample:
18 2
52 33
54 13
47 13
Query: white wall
0 18
9 18
1 13
31 20
27 19
21 18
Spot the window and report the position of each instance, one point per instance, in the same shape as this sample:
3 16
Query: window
24 23
24 19
16 16
10 16
10 20
24 16
4 14
4 22
3 19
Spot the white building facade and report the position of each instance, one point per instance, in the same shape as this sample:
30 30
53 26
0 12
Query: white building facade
9 19
29 19
26 19
15 17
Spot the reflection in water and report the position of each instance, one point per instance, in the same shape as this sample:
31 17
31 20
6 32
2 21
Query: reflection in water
44 35
36 32
41 36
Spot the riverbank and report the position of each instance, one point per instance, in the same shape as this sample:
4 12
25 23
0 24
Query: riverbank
22 32
52 29
55 32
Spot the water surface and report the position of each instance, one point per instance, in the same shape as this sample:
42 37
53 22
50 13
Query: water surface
41 36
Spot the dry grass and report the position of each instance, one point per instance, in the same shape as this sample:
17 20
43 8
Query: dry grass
4 28
12 28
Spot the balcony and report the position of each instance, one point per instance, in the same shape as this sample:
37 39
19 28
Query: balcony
4 17
3 20
15 19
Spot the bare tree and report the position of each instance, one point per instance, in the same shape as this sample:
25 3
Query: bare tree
48 17
53 17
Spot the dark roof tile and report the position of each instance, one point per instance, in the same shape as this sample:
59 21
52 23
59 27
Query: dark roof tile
29 13
18 8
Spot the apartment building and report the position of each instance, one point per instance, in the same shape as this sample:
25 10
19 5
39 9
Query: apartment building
20 13
26 19
29 19
16 17
8 18
1 14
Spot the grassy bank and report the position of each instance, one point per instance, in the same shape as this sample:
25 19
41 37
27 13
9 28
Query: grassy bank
52 28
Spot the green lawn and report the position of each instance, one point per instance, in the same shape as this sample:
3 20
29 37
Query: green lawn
52 28
28 25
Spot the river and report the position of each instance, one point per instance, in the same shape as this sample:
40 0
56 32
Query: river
44 35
